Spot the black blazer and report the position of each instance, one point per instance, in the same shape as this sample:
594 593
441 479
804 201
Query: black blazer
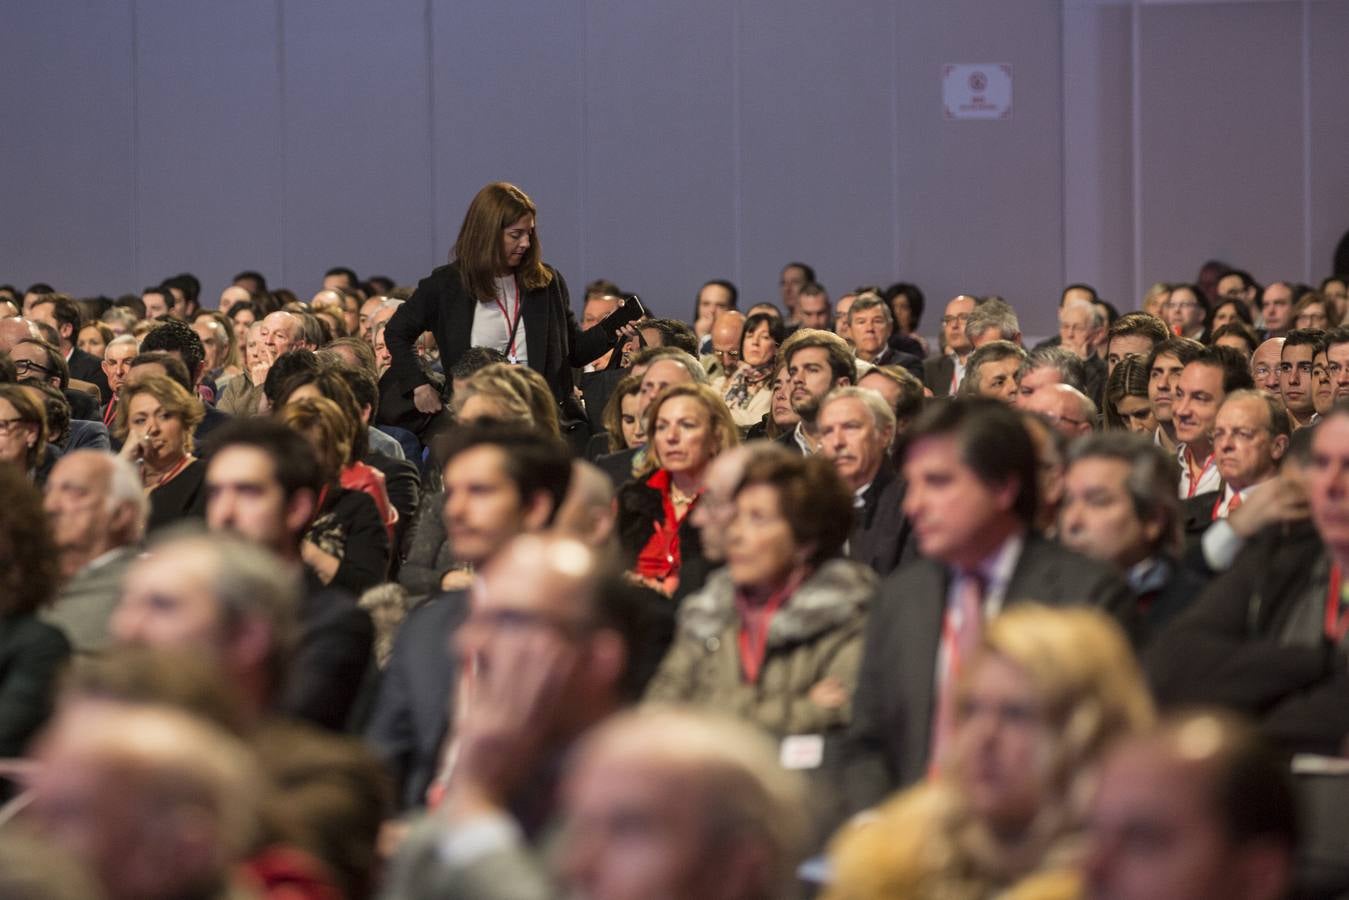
440 305
331 659
88 367
1227 649
880 531
412 712
889 738
32 654
937 374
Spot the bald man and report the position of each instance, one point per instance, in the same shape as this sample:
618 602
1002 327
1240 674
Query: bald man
726 331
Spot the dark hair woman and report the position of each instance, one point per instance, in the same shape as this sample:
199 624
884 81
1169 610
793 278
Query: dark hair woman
496 292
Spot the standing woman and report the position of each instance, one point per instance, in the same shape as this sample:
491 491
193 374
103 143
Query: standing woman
155 421
687 425
496 292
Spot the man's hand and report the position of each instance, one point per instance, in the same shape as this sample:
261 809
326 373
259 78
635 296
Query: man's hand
426 399
510 715
1280 499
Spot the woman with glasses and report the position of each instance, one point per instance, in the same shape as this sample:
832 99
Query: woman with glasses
23 430
747 391
156 418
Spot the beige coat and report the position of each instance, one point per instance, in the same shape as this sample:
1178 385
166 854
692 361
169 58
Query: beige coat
817 634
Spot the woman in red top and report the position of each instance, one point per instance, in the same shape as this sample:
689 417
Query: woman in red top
687 425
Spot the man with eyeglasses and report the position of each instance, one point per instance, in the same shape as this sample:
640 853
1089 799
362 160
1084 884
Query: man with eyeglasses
726 330
1071 412
1268 637
1296 381
943 374
1265 367
500 481
1250 438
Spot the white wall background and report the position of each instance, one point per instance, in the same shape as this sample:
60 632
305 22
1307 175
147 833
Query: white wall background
671 142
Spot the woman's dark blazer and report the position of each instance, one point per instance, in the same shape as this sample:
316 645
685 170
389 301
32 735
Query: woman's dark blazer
554 342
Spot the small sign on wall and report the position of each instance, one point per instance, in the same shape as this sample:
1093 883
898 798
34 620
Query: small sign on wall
977 90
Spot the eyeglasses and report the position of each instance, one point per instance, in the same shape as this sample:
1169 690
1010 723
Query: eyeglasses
955 320
10 425
726 354
519 619
1262 371
24 366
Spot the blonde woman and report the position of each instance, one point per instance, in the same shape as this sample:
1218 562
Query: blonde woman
687 425
1046 691
156 419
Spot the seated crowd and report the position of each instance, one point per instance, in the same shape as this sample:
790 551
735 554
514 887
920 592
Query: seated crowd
369 595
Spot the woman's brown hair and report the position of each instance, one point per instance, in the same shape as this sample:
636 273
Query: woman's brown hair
724 430
170 395
815 502
478 251
32 412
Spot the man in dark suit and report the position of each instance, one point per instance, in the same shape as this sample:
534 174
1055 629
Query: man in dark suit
1120 507
857 428
971 495
1267 638
942 374
263 484
63 314
500 481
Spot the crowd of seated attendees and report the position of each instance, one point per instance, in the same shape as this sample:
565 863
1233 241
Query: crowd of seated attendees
444 591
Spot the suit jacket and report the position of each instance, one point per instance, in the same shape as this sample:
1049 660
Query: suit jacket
880 532
412 711
403 483
32 654
553 341
88 367
1228 648
332 657
85 603
618 465
88 435
891 730
937 374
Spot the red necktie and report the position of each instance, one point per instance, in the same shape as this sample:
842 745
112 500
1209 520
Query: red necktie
1234 504
962 626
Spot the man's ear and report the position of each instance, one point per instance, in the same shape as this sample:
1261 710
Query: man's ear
538 511
1005 495
300 510
1278 447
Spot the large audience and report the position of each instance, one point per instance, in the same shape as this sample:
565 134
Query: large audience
440 591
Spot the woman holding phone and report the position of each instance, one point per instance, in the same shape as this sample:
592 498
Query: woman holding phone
497 292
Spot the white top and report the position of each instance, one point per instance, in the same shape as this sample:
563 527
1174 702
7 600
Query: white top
490 328
1210 479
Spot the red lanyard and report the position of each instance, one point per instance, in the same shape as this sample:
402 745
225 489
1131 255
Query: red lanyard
1195 479
173 473
1335 626
753 638
111 412
512 325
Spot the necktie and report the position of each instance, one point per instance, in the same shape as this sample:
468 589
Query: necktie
962 625
1234 504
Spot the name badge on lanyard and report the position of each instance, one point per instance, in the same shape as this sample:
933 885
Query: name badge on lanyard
512 324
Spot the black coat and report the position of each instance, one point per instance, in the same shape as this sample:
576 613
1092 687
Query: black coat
32 654
88 367
440 305
881 531
332 657
412 713
1227 650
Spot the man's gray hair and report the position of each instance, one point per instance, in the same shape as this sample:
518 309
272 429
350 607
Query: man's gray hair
993 351
695 368
1151 482
1097 317
123 340
882 416
1072 370
993 314
124 488
869 300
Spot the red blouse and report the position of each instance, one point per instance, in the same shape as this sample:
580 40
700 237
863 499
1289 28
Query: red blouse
660 559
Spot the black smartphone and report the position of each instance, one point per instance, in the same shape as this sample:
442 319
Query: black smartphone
631 310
